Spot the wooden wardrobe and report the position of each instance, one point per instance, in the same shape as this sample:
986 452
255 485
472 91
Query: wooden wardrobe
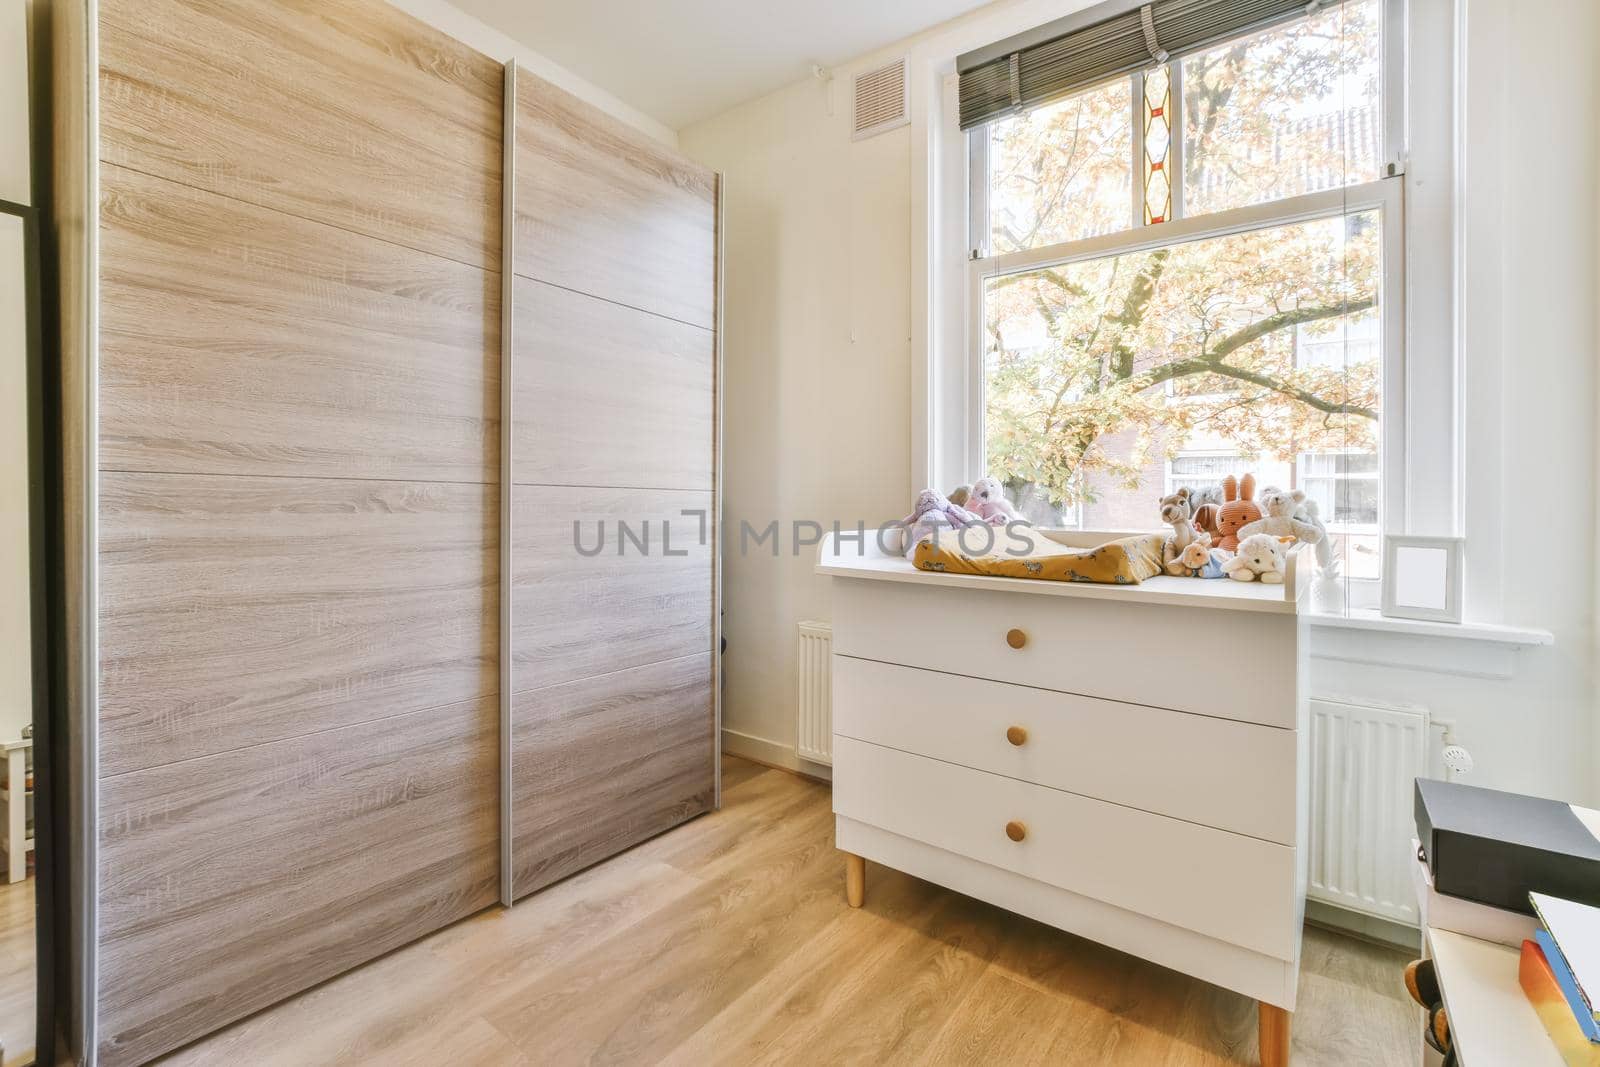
338 676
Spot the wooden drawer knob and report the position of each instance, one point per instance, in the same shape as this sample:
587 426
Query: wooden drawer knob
1017 735
1016 831
1016 638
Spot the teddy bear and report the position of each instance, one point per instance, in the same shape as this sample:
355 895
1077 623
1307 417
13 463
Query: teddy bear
1175 512
988 501
1280 510
1260 556
1199 560
1238 510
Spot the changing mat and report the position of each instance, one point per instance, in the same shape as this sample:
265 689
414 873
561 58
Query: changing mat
1127 561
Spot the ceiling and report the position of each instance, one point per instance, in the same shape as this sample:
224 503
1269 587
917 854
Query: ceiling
680 61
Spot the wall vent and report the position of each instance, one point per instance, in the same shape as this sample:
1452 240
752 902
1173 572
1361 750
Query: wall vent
814 731
1364 760
883 100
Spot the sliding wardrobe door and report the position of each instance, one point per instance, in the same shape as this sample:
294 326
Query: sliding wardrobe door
298 505
612 499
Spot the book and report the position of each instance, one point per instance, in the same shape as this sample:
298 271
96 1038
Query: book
1461 916
1575 928
1544 993
1569 989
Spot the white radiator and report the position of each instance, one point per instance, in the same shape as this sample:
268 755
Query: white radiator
1363 762
814 733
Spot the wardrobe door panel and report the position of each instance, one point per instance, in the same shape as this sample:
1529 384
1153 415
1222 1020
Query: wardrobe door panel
348 112
587 599
231 881
604 209
237 611
603 763
609 395
237 340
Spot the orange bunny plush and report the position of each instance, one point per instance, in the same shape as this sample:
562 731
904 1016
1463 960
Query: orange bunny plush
1238 508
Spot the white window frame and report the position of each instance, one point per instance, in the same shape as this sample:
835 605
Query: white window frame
1424 53
1172 482
1421 432
1385 196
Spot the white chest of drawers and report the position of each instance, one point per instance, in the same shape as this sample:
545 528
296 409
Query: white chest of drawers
1127 763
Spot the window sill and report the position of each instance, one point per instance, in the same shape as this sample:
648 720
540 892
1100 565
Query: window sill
1370 620
1470 649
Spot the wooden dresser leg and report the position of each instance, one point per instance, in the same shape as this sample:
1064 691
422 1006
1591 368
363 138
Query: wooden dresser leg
1274 1023
855 880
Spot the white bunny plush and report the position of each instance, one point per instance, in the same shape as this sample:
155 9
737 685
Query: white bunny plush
1260 556
988 500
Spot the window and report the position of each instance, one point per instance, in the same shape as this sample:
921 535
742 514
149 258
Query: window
1198 473
1344 486
1193 271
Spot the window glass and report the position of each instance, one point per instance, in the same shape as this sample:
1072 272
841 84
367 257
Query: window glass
1108 380
1292 110
1062 172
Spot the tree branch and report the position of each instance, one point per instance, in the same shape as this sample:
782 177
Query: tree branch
1282 320
1140 293
1212 361
1305 397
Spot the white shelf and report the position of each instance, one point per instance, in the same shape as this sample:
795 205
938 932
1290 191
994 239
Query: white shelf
868 560
1491 1020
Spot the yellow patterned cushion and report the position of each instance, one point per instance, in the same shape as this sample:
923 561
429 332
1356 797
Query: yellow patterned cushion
1124 562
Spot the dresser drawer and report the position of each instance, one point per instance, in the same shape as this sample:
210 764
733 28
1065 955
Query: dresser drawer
1231 775
1240 665
1237 889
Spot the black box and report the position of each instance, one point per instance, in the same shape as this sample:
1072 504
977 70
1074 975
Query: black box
1494 847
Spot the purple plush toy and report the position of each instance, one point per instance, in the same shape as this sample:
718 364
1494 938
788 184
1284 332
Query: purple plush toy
934 512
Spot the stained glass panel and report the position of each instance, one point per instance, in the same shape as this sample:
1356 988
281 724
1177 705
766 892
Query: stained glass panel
1157 145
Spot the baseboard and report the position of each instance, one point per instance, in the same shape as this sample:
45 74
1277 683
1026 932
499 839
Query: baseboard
772 754
1369 927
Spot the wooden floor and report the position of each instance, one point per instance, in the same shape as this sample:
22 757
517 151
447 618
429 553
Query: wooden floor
18 949
728 941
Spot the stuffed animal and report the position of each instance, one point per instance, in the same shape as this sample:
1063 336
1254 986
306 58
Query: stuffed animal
932 513
1203 503
1279 507
1307 513
959 495
1199 560
1238 509
931 502
988 501
1175 512
1260 556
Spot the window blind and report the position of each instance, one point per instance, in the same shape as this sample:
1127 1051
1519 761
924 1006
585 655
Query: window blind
1103 42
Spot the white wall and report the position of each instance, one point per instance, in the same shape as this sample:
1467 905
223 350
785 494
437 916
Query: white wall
817 366
16 678
14 181
818 425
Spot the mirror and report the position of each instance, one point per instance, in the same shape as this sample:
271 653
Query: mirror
19 606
